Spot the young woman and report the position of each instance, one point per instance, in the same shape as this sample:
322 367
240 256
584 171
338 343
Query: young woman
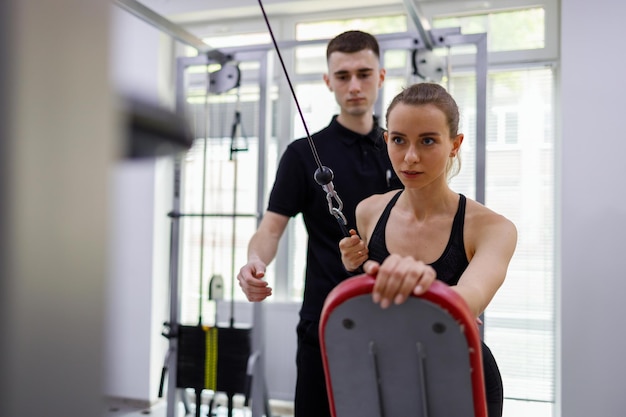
427 231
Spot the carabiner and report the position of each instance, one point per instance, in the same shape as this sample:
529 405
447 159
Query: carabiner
335 211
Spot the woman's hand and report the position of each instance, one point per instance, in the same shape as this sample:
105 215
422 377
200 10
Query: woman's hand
353 251
398 277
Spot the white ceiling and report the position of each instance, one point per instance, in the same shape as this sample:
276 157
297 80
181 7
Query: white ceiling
190 11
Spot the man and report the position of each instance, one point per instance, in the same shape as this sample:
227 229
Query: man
352 146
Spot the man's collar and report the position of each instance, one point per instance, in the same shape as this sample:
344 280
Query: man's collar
350 137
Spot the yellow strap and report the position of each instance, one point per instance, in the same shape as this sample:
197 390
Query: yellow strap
210 373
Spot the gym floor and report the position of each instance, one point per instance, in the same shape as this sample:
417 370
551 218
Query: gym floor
117 408
122 408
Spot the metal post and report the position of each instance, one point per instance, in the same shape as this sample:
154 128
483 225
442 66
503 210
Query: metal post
450 37
259 388
481 116
172 392
421 24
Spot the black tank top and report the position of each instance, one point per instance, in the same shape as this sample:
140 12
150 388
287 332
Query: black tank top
449 267
450 264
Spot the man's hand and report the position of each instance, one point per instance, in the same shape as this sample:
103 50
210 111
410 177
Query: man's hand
251 281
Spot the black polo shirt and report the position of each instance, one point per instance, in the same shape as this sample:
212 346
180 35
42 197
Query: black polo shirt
361 168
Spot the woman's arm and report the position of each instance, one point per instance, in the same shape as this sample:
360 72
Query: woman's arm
492 239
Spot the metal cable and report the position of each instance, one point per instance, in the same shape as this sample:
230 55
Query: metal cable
323 175
293 92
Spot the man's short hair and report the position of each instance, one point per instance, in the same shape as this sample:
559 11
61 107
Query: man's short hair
352 41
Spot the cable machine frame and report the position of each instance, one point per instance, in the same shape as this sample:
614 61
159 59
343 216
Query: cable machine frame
438 38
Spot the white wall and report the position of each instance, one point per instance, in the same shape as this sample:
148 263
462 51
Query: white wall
593 209
279 342
137 302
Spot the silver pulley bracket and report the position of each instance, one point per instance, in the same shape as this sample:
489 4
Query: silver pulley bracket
224 79
428 66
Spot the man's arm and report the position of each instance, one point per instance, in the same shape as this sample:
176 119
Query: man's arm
261 251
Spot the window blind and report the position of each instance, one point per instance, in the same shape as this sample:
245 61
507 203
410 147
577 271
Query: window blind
520 184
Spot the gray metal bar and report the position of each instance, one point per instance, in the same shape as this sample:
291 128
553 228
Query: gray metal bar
181 100
395 40
480 40
167 26
481 66
265 77
172 390
421 24
481 128
259 387
442 36
481 118
231 215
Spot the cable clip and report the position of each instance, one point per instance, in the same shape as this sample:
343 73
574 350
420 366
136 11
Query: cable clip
335 211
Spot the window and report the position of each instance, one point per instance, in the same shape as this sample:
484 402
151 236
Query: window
509 30
232 40
216 177
519 322
327 29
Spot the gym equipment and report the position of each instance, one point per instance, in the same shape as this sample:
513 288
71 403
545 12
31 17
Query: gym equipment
219 359
421 358
216 359
427 65
204 357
